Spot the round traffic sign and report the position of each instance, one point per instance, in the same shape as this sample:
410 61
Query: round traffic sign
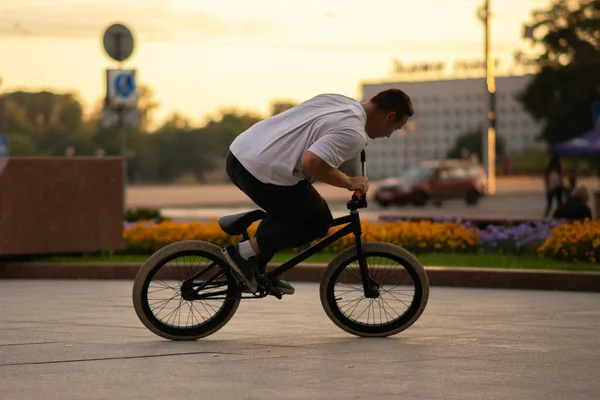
118 42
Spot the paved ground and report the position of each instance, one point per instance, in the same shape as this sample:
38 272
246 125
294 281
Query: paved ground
509 206
220 195
72 340
515 198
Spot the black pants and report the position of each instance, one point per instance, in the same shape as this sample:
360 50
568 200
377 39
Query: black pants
553 194
296 215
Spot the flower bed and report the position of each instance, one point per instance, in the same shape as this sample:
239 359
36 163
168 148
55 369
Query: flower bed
574 242
550 238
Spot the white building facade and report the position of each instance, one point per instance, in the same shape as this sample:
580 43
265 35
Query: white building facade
444 110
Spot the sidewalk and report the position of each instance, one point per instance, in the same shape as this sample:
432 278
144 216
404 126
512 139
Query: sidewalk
73 340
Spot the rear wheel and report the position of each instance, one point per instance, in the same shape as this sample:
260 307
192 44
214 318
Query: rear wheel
420 199
472 197
399 278
166 291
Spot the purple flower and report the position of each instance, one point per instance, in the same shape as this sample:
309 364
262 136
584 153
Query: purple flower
518 238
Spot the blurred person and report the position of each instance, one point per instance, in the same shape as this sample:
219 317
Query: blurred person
276 161
572 179
553 179
576 207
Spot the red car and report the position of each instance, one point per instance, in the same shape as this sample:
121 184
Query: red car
434 181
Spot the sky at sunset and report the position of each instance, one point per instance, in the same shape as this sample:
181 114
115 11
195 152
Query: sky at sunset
200 56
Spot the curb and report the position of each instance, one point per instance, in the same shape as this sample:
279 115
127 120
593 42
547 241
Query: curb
496 278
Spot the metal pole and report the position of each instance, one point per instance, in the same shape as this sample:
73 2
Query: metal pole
489 142
121 130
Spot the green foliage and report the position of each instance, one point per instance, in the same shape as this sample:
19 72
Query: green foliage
143 214
46 123
21 144
279 106
52 119
561 94
472 141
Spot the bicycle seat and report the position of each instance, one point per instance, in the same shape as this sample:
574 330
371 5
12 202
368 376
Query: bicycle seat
236 224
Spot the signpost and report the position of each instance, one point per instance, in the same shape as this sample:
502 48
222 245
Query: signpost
121 89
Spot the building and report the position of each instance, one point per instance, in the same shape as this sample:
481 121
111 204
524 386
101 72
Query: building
444 110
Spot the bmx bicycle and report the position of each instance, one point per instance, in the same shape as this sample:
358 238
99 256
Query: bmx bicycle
196 300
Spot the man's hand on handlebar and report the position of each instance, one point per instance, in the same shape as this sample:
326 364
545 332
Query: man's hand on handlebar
359 183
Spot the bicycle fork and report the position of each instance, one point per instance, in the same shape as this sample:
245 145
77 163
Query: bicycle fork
370 287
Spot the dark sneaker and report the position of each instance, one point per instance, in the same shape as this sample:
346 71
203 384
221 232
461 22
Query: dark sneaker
245 270
283 286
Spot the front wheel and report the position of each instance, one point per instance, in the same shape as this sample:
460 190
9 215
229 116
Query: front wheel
401 285
185 291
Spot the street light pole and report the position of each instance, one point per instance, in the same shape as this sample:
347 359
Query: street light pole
489 134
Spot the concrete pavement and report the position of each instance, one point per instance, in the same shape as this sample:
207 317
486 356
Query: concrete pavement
162 196
73 340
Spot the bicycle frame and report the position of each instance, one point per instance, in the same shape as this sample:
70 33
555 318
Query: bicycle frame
352 226
352 222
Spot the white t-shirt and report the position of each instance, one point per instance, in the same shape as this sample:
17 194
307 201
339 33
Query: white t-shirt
331 126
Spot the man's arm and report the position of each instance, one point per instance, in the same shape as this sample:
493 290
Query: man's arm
314 166
318 169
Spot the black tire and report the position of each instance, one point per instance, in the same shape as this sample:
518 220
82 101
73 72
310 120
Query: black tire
472 197
384 203
420 199
412 266
161 258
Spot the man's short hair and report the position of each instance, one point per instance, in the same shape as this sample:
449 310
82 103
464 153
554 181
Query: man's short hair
394 100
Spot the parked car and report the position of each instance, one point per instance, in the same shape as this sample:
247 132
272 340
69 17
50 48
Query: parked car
434 181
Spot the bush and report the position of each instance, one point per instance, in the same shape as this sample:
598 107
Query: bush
521 238
577 241
423 236
143 214
550 238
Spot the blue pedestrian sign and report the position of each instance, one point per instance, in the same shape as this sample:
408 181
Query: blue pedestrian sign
3 146
124 85
121 88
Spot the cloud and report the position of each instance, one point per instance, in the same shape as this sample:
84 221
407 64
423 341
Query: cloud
145 18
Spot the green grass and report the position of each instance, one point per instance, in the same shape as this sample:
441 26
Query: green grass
459 260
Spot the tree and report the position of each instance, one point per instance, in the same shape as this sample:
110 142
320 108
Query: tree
279 106
52 119
472 141
175 121
147 104
562 92
21 144
219 133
